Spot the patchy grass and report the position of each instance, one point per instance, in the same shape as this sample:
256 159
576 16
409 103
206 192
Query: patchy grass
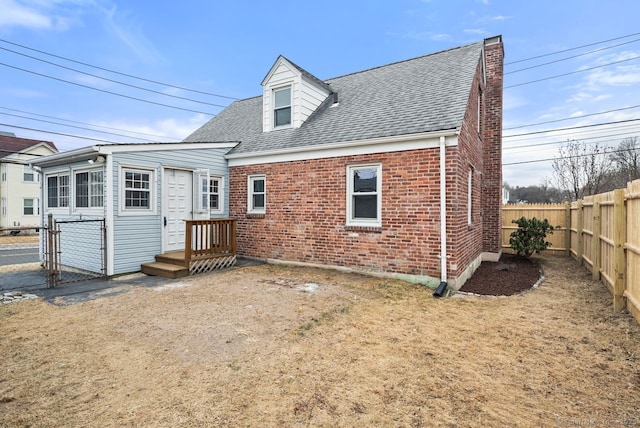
247 347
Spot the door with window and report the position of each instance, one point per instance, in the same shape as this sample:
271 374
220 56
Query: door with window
178 206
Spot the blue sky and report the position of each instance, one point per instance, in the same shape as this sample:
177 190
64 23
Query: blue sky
227 47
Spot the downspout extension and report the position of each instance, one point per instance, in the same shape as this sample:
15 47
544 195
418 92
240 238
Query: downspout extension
443 222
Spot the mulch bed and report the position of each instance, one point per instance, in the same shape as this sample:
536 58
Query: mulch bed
510 275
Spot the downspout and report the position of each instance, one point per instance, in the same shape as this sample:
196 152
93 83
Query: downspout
443 222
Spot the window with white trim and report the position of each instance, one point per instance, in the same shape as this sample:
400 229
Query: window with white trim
89 189
282 107
137 189
257 194
57 191
3 207
215 193
364 197
470 197
30 206
28 174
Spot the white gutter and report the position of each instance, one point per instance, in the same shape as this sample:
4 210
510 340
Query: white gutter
443 221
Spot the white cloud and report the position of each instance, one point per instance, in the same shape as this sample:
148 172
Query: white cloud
19 15
474 31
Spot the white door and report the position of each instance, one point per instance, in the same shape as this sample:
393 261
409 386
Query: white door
178 205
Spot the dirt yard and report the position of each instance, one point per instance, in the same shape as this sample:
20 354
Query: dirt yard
281 346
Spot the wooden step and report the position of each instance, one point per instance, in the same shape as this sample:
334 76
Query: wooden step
172 258
166 270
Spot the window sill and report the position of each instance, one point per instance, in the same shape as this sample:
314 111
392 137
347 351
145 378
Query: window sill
255 215
371 229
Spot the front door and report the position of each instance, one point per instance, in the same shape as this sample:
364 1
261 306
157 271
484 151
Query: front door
178 206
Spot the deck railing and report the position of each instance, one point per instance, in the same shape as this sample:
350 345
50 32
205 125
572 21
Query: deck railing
210 238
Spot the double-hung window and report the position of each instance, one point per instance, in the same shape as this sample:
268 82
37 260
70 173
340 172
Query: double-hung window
256 196
364 196
137 190
28 175
89 187
282 107
215 194
58 191
30 206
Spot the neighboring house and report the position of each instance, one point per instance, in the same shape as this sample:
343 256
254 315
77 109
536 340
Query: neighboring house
394 170
19 183
143 192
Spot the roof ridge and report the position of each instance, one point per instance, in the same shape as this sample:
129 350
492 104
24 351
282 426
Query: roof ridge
406 60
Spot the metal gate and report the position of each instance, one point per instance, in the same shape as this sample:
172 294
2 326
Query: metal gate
74 250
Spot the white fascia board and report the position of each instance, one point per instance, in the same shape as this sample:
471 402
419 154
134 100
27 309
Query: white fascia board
66 157
146 147
350 148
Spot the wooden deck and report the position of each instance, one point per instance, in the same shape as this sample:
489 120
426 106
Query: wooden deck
209 245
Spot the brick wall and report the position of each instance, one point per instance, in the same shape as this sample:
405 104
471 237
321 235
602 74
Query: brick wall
492 140
306 213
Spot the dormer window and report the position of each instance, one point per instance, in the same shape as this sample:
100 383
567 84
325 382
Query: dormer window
282 107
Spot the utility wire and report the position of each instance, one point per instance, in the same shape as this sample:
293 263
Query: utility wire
107 92
564 50
113 81
599 138
571 72
568 157
90 124
76 127
571 127
119 73
571 57
571 118
58 133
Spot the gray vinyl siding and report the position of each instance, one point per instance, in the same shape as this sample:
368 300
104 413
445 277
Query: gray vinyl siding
138 238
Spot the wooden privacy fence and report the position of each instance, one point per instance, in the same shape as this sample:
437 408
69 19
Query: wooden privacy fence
602 232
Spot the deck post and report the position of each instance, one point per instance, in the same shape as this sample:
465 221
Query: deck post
187 243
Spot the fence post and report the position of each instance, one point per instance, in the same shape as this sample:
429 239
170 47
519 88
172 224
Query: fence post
595 239
567 233
188 246
579 250
619 238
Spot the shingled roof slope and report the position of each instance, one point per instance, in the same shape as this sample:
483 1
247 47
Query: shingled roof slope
10 144
424 94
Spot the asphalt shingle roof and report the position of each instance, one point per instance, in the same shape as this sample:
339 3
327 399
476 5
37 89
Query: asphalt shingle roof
10 144
424 94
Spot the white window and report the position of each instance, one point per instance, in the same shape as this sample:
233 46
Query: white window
89 187
364 196
28 175
30 206
470 197
215 194
57 191
256 195
3 208
137 190
282 107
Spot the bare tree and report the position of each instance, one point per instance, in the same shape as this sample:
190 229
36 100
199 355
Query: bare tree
627 160
581 170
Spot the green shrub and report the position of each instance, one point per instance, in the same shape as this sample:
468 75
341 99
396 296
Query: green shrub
530 236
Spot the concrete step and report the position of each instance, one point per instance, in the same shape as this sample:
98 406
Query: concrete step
166 270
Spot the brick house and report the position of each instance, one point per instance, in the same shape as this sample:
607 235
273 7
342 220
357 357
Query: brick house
394 170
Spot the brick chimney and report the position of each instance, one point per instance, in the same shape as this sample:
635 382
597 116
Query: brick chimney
492 146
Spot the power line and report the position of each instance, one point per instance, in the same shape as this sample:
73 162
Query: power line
599 138
566 157
571 128
571 57
571 118
114 81
90 124
107 92
119 73
572 72
72 126
567 50
58 133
